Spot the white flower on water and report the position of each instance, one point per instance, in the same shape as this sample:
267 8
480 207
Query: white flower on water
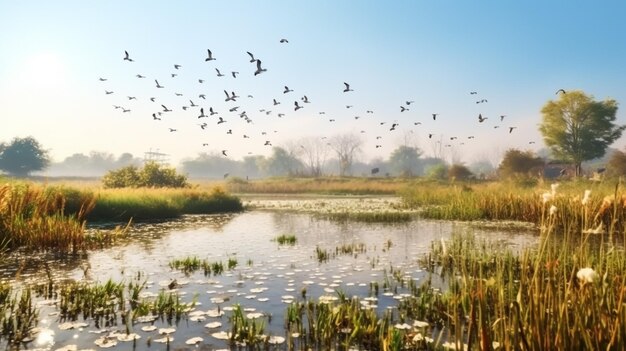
587 275
552 210
585 199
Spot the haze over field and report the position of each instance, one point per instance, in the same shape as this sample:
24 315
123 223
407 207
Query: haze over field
513 55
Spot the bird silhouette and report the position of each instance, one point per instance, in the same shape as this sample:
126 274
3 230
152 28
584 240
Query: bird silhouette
165 109
561 91
284 41
305 99
200 81
174 75
210 57
172 130
409 102
131 98
202 113
202 96
102 79
473 93
430 136
287 90
152 99
276 102
140 76
481 119
233 109
154 117
108 92
259 70
125 110
402 109
192 104
178 94
252 59
502 117
211 112
511 129
177 66
127 57
219 74
224 153
158 85
347 89
221 121
229 97
435 116
267 143
234 74
297 106
369 111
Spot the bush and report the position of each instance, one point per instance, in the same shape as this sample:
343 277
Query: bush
459 172
151 175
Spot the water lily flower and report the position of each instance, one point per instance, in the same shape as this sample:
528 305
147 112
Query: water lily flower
585 199
587 275
552 210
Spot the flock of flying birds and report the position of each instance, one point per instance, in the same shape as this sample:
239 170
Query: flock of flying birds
207 114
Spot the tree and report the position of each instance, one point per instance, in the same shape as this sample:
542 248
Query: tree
577 128
405 161
517 162
459 172
23 156
151 175
617 164
314 153
346 146
282 163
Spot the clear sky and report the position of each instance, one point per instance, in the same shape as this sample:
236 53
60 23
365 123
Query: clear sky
514 54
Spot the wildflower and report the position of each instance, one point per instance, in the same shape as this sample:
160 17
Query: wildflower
553 187
545 197
552 210
585 199
587 275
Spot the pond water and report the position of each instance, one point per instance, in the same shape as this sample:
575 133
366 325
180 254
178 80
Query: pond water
267 276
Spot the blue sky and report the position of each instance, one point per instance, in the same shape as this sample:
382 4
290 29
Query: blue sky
514 54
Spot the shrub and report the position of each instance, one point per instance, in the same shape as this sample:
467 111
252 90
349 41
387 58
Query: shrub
459 172
151 175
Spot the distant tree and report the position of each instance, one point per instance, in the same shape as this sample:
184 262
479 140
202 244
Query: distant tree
577 128
437 171
211 165
346 147
482 168
151 175
459 172
282 163
314 155
616 166
405 161
23 156
517 162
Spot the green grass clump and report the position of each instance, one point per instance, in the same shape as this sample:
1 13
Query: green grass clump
370 217
190 265
286 239
320 185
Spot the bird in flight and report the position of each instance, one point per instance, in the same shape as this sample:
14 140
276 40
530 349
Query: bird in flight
102 79
228 97
234 74
252 59
430 136
409 102
174 75
211 112
267 143
481 119
511 129
435 116
132 98
284 41
200 81
127 57
402 109
473 92
369 111
561 91
348 106
108 92
224 153
234 109
297 106
172 130
202 113
531 142
210 58
276 102
154 117
287 90
219 74
152 99
158 85
165 109
259 70
125 110
140 76
347 89
192 104
502 117
177 66
221 121
202 96
305 99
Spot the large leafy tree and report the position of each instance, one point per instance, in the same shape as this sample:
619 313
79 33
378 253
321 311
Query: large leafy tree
577 128
405 160
23 156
